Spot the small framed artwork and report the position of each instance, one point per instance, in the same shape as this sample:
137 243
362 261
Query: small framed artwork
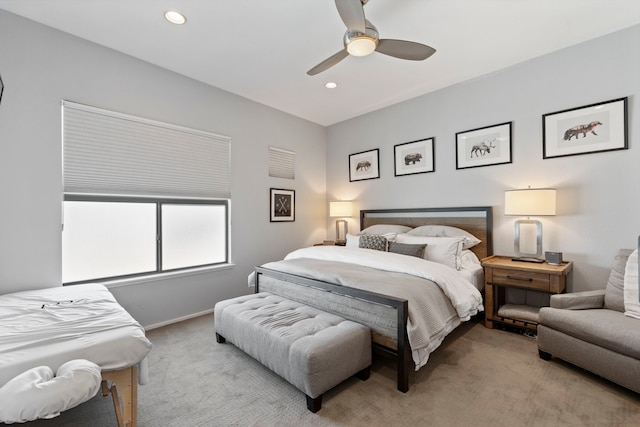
590 129
414 157
486 146
364 165
283 205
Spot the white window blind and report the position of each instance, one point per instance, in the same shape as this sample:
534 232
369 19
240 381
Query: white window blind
281 163
106 152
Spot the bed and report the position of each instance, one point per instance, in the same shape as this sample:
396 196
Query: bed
49 327
410 303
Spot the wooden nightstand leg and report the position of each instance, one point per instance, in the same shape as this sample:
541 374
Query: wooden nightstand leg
488 306
488 299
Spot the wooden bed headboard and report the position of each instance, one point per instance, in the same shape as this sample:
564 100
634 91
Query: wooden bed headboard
477 220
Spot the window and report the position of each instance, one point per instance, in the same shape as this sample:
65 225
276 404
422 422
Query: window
141 197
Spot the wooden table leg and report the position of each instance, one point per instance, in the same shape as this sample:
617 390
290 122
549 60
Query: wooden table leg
124 391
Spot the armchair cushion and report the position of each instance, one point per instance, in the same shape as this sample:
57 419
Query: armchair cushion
614 292
605 328
578 300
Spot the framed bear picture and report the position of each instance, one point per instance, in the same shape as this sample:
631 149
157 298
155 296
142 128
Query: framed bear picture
414 157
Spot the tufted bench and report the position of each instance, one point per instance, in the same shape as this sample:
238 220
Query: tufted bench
309 348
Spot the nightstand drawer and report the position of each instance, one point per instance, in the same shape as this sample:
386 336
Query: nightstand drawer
522 279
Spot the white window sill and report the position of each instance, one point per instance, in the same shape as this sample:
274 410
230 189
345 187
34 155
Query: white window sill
164 276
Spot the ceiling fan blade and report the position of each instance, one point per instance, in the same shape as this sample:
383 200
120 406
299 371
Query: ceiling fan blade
405 49
352 14
328 63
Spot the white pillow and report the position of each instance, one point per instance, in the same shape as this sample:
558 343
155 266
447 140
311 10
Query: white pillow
469 260
631 291
445 231
36 393
353 241
386 229
443 250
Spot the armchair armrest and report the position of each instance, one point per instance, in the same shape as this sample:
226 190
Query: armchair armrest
578 300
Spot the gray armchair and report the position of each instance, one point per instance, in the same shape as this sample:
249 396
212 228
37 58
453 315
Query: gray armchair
589 329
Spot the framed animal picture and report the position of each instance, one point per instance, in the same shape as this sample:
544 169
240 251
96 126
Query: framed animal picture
485 146
590 129
414 157
364 165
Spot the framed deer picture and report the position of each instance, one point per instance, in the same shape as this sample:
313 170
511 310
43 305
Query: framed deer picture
590 129
486 146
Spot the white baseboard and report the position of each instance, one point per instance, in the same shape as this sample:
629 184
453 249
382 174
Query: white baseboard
179 319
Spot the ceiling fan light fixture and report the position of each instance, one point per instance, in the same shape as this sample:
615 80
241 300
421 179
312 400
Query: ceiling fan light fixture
361 45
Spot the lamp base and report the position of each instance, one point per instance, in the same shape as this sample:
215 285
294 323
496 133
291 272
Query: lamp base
528 259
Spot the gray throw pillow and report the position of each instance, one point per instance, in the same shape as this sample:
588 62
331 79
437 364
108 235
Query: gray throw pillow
407 249
373 241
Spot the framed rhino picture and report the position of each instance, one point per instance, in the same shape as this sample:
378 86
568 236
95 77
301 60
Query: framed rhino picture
485 146
590 129
414 157
364 165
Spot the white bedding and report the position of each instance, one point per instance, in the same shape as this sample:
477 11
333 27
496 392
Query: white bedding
464 296
49 327
427 326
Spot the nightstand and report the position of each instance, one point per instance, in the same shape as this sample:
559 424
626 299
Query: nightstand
500 272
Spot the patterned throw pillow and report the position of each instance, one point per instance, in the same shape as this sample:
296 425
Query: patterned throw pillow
373 241
407 249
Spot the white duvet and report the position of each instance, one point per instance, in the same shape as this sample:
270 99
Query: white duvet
427 326
464 296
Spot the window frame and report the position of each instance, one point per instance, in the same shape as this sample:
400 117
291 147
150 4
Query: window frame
158 202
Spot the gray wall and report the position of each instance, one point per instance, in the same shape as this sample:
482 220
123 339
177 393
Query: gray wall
598 194
41 66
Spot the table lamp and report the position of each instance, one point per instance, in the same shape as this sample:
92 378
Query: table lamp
529 202
341 209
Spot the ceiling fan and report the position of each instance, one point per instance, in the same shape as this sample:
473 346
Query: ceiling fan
361 39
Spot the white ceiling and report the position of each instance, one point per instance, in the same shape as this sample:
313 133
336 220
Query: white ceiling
262 49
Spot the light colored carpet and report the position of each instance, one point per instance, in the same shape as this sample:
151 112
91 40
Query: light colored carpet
478 377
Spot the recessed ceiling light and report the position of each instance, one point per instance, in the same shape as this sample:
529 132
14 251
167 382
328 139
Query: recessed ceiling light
331 85
175 17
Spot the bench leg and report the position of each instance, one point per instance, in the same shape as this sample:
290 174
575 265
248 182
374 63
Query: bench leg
220 339
364 374
314 404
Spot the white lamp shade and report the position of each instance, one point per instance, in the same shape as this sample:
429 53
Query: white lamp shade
530 202
341 209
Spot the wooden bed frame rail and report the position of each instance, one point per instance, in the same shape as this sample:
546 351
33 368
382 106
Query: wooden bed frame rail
402 350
